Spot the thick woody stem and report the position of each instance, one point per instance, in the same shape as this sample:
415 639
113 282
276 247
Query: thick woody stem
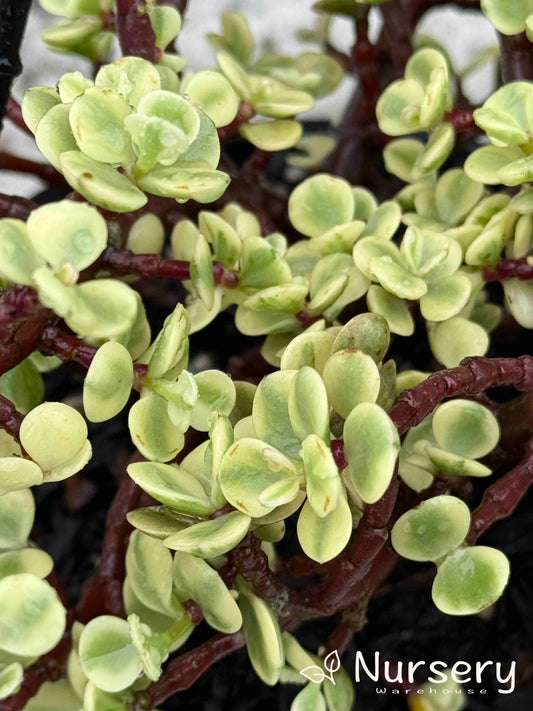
104 594
17 207
516 57
183 671
13 16
135 31
10 419
502 497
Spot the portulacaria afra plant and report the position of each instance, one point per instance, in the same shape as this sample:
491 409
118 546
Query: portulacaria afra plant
337 440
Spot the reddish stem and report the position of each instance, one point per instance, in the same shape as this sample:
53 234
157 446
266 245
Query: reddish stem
17 207
10 419
516 57
462 120
503 496
509 269
14 114
22 165
123 262
244 114
135 31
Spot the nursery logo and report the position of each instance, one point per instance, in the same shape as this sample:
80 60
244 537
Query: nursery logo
403 674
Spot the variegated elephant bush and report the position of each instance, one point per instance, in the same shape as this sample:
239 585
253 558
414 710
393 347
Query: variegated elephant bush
342 439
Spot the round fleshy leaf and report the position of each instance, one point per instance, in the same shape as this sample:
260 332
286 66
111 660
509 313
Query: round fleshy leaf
351 377
71 85
194 579
166 24
95 699
431 530
54 136
158 521
312 349
149 570
146 235
263 637
288 298
11 677
454 464
27 560
437 150
23 385
107 385
398 108
100 183
17 511
366 332
329 289
504 116
519 300
36 103
508 16
250 467
236 38
400 157
171 343
308 405
200 184
214 95
320 203
322 481
261 265
97 122
272 135
18 257
17 473
371 445
107 655
226 243
131 77
395 311
485 163
470 580
270 413
209 539
445 298
67 232
456 194
324 537
310 698
53 434
216 394
172 486
457 338
152 431
465 427
32 618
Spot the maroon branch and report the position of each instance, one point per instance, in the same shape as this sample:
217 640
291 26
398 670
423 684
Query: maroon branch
17 207
462 120
10 419
14 114
516 57
123 262
104 593
135 31
22 323
509 269
503 496
183 671
41 170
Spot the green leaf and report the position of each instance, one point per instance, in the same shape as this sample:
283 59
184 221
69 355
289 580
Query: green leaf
171 343
351 377
36 103
310 698
100 183
433 529
53 434
250 467
158 521
320 203
200 184
209 539
152 431
456 195
263 637
166 24
470 580
32 618
308 405
508 16
149 571
216 394
322 480
261 266
445 298
18 473
394 310
17 511
54 136
366 332
226 243
97 122
272 135
23 385
271 413
130 77
311 348
465 427
196 580
457 338
172 486
11 677
107 655
371 445
67 232
211 92
324 537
